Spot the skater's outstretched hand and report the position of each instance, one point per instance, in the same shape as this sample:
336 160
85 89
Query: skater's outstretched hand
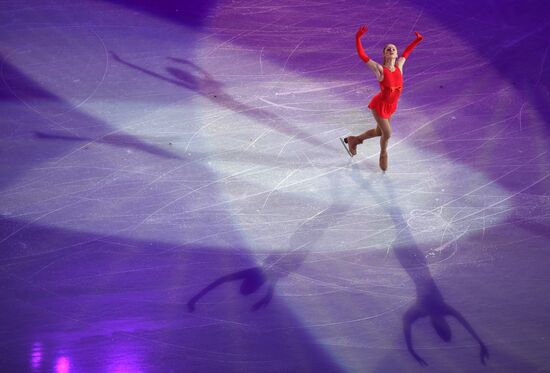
418 36
264 301
420 360
260 304
115 56
483 353
361 31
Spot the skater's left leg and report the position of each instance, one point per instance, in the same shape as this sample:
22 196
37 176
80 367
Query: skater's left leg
385 128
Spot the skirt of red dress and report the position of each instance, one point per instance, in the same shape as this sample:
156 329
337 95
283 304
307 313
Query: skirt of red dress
382 107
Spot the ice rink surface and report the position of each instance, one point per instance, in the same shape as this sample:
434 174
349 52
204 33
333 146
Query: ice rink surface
175 198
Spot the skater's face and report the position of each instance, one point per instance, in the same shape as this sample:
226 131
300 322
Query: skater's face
390 51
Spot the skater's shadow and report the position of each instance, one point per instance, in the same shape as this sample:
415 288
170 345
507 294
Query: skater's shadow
195 78
281 264
119 140
429 300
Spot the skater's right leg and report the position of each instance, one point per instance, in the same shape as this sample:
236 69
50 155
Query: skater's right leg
375 132
353 141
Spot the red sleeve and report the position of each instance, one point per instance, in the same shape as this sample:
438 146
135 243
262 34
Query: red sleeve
411 46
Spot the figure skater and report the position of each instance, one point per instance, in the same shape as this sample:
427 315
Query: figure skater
384 104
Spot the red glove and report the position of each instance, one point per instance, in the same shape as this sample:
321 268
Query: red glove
362 30
411 46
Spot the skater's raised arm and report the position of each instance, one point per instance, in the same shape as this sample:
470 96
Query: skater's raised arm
408 319
115 57
401 60
199 69
231 277
375 67
265 300
483 351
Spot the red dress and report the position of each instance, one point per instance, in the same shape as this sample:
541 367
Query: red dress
385 102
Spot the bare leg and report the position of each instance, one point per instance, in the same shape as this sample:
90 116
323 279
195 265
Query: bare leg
385 128
353 141
370 133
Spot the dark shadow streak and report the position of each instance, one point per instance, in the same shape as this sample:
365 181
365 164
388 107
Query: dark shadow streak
17 87
274 267
204 84
188 12
61 283
280 265
121 140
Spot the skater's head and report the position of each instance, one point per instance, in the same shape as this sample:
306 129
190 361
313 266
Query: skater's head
441 327
253 280
389 52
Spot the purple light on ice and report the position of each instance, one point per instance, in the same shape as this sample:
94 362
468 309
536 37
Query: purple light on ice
63 365
124 369
36 355
124 358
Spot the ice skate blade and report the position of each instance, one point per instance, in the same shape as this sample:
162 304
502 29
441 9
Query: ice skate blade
345 147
